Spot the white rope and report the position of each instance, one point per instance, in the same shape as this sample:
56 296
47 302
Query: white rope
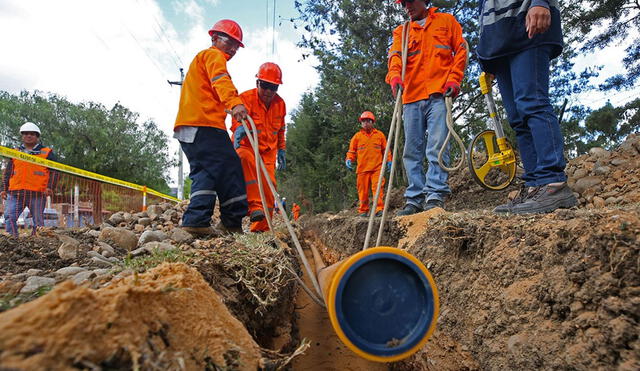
262 169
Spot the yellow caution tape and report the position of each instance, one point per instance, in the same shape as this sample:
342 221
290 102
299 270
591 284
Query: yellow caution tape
12 153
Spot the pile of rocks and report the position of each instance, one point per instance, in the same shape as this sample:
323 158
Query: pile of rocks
604 178
90 255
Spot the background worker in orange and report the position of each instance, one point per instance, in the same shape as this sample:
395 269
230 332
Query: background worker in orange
207 91
436 59
267 110
367 148
25 184
295 209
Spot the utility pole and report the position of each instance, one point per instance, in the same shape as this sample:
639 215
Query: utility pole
180 166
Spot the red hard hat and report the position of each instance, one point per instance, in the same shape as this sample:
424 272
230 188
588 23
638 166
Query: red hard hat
367 115
228 27
270 72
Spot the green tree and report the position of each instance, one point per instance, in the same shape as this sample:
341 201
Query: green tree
90 136
609 125
350 39
596 24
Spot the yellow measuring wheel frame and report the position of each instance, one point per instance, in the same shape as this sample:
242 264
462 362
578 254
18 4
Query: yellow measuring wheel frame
498 152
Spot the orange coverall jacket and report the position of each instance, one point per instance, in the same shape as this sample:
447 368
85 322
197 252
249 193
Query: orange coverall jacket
296 211
367 149
269 122
436 55
207 91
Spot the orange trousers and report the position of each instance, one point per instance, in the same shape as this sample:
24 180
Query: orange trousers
248 160
365 181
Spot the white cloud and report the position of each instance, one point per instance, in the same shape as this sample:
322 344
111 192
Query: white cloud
125 51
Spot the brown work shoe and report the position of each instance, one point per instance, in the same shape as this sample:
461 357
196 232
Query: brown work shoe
201 231
224 230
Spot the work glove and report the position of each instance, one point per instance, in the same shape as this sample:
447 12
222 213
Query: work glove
389 163
349 164
239 112
395 83
238 135
451 89
282 160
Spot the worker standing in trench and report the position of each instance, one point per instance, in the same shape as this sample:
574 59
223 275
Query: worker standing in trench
436 59
367 148
518 39
215 167
268 111
25 184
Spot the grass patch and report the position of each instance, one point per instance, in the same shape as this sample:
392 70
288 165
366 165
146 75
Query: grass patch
9 301
256 263
143 263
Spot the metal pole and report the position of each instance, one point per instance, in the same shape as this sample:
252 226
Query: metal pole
180 176
76 205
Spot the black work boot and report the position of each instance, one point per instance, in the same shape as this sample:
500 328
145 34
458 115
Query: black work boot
546 199
432 204
256 216
522 195
409 209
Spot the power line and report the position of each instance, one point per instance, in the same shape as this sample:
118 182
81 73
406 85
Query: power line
273 31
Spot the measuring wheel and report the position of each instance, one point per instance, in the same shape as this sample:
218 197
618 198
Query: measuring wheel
491 168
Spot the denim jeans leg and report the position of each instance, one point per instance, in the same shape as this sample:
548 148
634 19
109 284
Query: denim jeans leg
530 75
527 150
203 196
37 201
436 187
13 208
414 147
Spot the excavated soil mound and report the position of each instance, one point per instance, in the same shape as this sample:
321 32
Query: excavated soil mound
557 291
167 318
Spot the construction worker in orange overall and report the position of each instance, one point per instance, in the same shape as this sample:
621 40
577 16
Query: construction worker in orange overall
295 209
268 111
216 172
436 59
367 148
25 184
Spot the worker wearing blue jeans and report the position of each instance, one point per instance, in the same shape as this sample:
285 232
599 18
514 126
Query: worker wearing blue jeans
517 42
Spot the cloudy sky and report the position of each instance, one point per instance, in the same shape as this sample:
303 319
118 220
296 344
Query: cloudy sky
124 51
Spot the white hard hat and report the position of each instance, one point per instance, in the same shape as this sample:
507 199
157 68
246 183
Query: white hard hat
30 126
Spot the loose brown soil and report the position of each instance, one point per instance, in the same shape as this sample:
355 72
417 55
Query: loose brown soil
167 318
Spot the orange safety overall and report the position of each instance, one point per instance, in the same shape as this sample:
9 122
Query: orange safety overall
367 149
296 211
271 129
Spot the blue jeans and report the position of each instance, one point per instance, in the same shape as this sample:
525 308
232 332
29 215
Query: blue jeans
215 172
16 202
425 130
523 79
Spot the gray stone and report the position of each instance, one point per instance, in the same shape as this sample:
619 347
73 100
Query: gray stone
179 235
149 236
100 272
116 218
101 262
618 162
586 183
139 251
602 170
69 271
35 283
154 211
33 272
144 221
68 250
599 152
580 173
121 237
516 341
83 277
160 246
611 201
92 233
127 217
106 249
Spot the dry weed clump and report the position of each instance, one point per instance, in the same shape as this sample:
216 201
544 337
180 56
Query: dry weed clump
258 264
